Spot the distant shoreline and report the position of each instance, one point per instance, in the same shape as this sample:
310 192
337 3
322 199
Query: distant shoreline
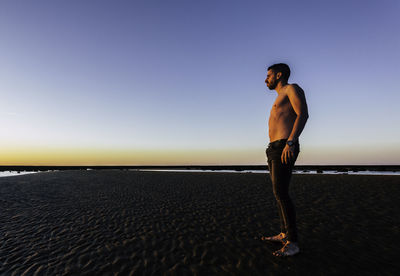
304 168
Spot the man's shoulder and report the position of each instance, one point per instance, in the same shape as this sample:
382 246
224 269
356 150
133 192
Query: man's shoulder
294 88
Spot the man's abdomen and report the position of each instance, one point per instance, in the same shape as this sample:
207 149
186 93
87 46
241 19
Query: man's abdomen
280 129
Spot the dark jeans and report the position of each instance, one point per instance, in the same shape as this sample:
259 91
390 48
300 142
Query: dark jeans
280 176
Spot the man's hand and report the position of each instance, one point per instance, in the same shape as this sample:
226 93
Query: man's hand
287 154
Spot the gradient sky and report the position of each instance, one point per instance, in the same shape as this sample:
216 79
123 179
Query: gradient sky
182 82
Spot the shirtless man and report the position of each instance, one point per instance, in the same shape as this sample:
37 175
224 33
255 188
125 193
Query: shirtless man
288 117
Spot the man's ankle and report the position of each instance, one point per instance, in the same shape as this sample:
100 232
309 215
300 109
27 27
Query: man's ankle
292 242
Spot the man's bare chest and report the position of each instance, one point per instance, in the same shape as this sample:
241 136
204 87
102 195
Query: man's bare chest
281 104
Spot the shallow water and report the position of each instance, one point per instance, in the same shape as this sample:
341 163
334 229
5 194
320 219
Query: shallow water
295 172
15 173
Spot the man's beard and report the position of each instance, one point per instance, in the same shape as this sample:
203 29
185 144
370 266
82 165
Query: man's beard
271 85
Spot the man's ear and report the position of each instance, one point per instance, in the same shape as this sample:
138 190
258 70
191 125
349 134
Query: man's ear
278 75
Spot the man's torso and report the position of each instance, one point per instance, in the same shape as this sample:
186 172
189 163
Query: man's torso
282 117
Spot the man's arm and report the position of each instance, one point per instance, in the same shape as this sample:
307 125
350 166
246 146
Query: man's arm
298 101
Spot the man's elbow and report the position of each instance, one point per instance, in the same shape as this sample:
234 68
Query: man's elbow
303 116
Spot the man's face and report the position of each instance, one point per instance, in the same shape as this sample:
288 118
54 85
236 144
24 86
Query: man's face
271 80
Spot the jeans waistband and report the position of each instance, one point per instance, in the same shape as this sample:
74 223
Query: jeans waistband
280 143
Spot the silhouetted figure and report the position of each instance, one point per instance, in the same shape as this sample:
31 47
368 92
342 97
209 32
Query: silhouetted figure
288 117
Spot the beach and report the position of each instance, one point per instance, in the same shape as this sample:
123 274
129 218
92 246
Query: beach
120 222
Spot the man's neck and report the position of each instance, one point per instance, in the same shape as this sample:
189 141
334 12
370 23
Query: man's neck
280 86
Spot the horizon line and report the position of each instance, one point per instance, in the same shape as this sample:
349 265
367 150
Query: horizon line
237 167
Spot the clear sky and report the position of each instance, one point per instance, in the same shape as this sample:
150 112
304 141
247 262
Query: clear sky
182 82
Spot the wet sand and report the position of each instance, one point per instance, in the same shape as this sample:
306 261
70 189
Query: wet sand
167 223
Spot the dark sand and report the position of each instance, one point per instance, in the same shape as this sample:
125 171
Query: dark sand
155 223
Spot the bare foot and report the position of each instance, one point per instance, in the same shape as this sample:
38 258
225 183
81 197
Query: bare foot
289 249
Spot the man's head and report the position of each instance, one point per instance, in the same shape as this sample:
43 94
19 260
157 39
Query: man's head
279 72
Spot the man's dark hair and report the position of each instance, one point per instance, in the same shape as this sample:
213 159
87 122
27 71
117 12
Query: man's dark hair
283 68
